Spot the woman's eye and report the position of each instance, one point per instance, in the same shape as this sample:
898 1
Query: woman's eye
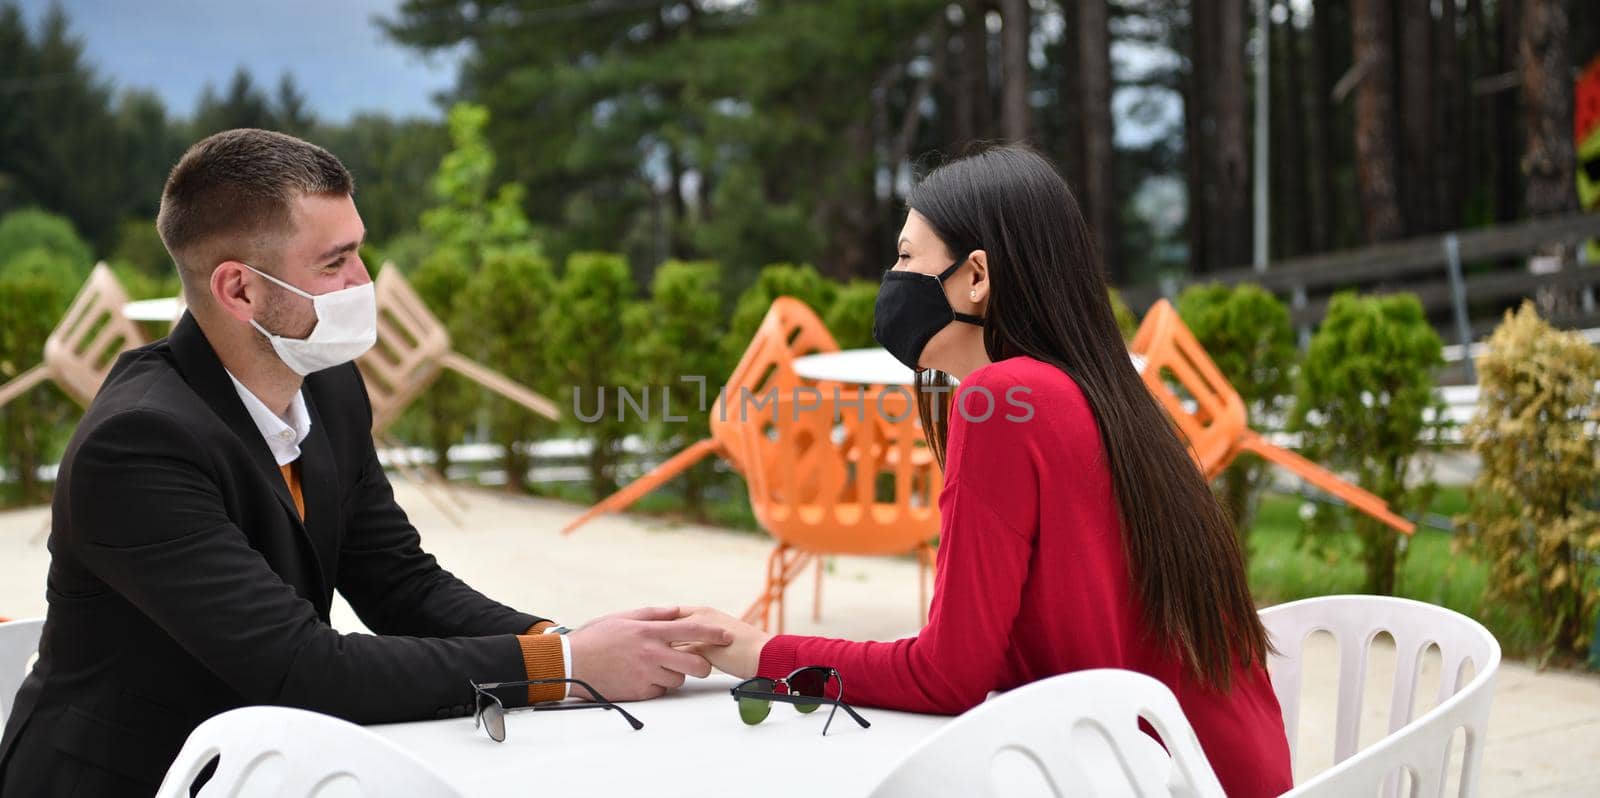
904 256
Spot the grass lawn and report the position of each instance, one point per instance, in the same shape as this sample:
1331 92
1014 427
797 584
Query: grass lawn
1282 569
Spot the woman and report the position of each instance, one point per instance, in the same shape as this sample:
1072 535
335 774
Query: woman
1078 534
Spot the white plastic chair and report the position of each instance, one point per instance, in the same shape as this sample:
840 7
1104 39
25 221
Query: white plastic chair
19 641
1073 734
1419 745
293 753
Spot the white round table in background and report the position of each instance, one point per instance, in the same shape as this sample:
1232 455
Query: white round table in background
692 744
165 309
870 366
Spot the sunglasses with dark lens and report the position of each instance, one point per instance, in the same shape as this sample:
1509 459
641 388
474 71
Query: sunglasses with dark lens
806 688
491 714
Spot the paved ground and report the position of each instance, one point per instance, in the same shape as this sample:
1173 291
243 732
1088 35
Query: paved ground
1544 734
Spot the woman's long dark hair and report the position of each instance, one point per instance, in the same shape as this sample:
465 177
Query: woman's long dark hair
1048 300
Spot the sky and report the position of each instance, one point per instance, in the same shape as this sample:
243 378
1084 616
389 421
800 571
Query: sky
340 59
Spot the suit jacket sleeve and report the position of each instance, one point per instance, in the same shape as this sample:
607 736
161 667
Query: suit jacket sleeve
146 517
396 587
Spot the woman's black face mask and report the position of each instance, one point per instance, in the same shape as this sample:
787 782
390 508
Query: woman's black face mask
911 309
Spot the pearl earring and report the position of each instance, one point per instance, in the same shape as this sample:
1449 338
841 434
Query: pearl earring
972 294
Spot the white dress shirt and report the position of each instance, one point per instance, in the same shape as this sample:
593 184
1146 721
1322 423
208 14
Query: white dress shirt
283 434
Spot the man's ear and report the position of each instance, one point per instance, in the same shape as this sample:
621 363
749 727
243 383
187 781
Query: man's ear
235 289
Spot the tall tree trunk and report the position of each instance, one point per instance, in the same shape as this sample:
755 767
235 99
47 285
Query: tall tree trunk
1295 205
1070 94
1479 122
1507 150
1548 160
1229 93
1416 115
1451 140
1014 70
977 97
1375 161
1193 82
962 84
1099 161
1320 138
1224 174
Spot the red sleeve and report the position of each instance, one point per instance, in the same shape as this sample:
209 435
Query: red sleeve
958 657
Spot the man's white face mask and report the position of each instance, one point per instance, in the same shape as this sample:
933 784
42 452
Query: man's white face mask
347 326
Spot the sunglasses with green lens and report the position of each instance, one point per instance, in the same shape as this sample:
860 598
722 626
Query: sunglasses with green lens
806 689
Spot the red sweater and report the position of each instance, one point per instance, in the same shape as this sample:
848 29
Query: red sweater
1032 582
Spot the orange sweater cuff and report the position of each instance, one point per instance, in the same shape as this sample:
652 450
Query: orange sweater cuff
542 659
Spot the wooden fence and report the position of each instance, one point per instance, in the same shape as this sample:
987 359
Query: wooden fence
1462 278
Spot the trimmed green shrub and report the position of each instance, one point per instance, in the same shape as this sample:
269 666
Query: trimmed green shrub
1362 405
592 356
33 426
508 304
677 334
1246 331
850 316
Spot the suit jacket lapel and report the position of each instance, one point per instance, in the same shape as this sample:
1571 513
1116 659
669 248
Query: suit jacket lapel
200 367
319 486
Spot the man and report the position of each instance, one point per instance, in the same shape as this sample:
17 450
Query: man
224 483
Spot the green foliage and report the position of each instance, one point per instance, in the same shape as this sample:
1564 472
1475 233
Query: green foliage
781 279
677 334
440 416
750 229
141 262
46 265
469 227
393 162
33 229
1362 405
590 353
507 304
770 106
1127 323
1246 331
245 104
31 425
1535 505
61 146
139 248
850 316
470 219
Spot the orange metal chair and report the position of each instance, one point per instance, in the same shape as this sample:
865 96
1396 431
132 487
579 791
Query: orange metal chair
80 351
790 329
1217 426
837 477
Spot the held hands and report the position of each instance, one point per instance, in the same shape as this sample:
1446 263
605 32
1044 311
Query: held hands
631 656
741 656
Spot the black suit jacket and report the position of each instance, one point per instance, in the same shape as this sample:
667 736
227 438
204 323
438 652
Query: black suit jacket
183 583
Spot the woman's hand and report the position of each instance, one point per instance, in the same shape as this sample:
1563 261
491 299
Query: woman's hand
739 658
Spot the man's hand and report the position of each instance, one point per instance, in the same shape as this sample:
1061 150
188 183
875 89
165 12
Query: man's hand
741 657
629 656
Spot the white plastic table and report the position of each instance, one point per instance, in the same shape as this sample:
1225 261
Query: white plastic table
871 366
165 309
692 744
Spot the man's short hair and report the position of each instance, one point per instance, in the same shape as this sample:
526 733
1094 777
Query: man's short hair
232 192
